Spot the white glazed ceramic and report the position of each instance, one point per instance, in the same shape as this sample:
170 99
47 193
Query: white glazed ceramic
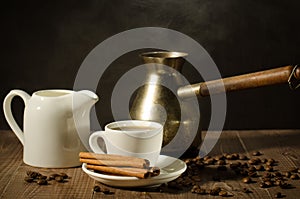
170 169
55 122
140 143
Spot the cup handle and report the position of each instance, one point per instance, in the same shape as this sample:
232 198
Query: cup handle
8 114
93 141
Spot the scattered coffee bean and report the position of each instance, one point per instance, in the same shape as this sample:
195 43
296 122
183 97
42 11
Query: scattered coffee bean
221 162
269 183
278 195
254 161
243 157
96 188
59 179
33 174
220 157
260 168
277 174
269 168
252 174
294 177
42 177
206 158
42 182
287 174
107 191
244 165
256 153
64 175
252 168
247 180
210 161
28 179
263 185
270 162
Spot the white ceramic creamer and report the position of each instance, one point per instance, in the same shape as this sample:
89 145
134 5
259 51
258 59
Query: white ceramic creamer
56 125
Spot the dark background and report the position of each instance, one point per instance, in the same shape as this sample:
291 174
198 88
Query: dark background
44 43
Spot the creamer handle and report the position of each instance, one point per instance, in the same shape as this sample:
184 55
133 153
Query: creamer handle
8 114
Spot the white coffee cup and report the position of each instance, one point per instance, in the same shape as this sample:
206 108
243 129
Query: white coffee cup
135 138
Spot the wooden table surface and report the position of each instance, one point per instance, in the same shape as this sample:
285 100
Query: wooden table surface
282 145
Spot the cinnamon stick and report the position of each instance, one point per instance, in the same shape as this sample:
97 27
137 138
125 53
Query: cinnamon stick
113 160
125 171
122 163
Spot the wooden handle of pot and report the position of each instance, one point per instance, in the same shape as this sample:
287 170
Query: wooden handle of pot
240 82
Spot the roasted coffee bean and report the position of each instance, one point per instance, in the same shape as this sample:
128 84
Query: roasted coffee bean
269 168
222 168
42 182
210 161
187 161
244 165
256 153
59 179
223 193
278 195
246 190
64 175
270 162
106 191
52 176
277 174
251 169
221 162
219 157
278 182
262 185
206 158
294 177
252 174
247 180
254 161
96 188
287 174
268 175
28 179
260 168
243 157
234 165
235 156
42 177
269 183
33 174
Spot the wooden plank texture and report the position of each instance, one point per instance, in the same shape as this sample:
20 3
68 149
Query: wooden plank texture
282 145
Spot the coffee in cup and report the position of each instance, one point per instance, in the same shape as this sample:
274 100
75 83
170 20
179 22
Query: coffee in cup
135 138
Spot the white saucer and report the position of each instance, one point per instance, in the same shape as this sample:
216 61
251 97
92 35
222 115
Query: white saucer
170 169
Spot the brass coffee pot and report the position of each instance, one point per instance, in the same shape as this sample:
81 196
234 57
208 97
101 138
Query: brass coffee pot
154 101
